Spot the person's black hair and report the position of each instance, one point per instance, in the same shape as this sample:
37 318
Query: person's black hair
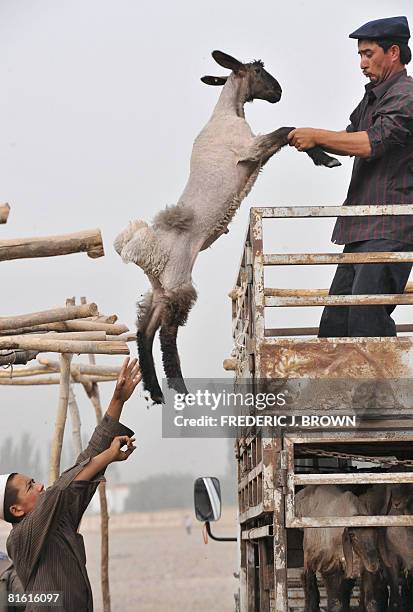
405 53
10 498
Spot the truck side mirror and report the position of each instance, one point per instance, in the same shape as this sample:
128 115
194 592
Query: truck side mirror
207 499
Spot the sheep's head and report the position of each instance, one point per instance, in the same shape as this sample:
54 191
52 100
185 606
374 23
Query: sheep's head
363 541
401 498
260 84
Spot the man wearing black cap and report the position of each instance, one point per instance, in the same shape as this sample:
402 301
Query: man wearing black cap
380 137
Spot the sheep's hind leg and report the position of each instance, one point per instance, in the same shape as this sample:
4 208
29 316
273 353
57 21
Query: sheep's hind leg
177 306
149 320
311 592
170 358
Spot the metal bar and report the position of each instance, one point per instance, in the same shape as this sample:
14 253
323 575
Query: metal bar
340 300
252 512
313 331
350 436
251 582
257 532
404 342
354 478
281 292
250 476
258 276
290 488
316 259
280 533
352 521
290 212
263 575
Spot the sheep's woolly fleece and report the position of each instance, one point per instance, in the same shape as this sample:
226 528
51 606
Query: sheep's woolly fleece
138 244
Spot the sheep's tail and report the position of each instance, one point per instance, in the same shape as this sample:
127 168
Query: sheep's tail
177 305
149 320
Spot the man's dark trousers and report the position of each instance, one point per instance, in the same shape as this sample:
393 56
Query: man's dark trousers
363 279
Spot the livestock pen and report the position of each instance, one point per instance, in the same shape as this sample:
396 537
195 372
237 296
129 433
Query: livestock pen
366 379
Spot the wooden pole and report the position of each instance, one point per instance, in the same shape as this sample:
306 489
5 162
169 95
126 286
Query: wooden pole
89 241
92 391
4 212
57 442
94 336
48 316
29 371
82 368
80 325
27 343
53 379
75 418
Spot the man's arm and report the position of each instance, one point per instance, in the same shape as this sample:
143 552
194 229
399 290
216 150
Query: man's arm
339 143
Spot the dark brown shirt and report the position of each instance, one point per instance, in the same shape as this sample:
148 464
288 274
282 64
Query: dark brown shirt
386 177
47 552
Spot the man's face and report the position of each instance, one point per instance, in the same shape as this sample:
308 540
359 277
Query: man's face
376 64
28 493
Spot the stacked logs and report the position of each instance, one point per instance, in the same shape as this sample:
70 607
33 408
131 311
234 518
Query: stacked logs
67 330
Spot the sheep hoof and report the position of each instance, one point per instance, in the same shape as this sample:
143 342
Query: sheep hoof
157 399
320 158
333 162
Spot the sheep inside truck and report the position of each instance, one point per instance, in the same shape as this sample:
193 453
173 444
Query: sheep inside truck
225 163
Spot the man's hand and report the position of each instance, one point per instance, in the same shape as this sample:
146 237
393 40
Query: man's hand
115 452
303 138
128 378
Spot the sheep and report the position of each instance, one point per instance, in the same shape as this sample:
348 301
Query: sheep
396 549
226 160
330 552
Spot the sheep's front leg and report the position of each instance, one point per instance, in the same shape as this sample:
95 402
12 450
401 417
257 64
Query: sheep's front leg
265 146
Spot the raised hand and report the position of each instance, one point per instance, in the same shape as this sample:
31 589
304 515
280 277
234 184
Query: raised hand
128 379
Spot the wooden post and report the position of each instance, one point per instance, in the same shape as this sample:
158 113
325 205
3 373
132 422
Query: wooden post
56 449
92 391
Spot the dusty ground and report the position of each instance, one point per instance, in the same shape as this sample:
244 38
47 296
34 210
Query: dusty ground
156 567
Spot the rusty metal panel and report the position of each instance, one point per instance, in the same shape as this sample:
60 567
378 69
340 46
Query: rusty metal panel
290 212
335 358
316 259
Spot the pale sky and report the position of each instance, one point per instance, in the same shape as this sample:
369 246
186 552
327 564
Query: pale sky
101 101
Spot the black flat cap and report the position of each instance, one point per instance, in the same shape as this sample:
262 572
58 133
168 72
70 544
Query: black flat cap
391 28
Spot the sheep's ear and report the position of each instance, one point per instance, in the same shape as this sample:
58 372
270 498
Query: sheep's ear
211 80
227 61
348 553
